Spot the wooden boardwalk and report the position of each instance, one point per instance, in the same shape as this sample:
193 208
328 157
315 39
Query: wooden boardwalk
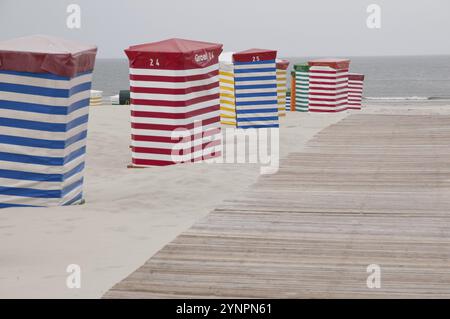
371 189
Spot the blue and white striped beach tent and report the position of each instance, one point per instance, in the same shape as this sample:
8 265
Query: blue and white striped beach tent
45 87
256 88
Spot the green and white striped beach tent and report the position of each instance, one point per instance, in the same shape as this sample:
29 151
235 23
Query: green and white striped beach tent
301 87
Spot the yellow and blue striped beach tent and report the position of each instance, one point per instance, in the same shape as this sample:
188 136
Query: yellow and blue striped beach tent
227 93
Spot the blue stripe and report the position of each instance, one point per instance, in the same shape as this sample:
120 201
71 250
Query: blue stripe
255 70
255 78
78 105
66 190
275 110
31 142
80 88
40 177
255 62
74 200
34 142
28 176
77 169
76 138
41 160
257 86
42 108
71 202
243 103
34 90
44 91
256 94
262 118
77 122
258 126
79 152
44 75
39 193
43 126
6 205
29 192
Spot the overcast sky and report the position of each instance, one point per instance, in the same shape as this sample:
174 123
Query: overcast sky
293 27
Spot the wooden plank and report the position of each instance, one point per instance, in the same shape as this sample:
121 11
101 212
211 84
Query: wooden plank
371 189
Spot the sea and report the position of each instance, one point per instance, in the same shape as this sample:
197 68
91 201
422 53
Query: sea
399 77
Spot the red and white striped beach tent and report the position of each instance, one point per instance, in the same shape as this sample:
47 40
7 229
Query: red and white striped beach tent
328 85
174 91
355 90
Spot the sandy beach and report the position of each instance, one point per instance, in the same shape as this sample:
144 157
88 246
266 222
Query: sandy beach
130 214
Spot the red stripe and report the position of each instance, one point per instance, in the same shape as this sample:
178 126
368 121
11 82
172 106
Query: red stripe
147 162
322 94
176 115
328 77
356 76
166 127
178 79
173 57
326 111
327 100
330 89
254 55
175 103
327 83
327 105
192 89
168 151
326 94
328 72
169 139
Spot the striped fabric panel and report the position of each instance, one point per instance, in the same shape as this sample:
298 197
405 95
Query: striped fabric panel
328 89
227 96
43 129
281 91
301 91
355 92
256 94
175 115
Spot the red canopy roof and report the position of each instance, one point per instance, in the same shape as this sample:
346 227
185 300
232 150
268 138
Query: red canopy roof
356 76
46 54
174 54
282 64
254 55
333 63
